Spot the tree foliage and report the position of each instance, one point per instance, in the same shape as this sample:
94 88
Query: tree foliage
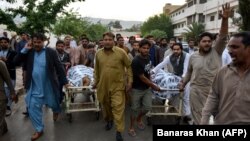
244 11
134 28
160 22
40 14
95 31
194 30
74 25
115 24
157 34
70 24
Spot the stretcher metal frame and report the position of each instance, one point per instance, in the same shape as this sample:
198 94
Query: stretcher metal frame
156 112
71 106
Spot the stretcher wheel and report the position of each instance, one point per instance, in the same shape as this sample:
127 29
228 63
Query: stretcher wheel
97 114
149 121
69 117
72 99
178 120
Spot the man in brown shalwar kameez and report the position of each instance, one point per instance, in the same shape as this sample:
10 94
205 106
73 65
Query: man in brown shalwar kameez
204 64
110 78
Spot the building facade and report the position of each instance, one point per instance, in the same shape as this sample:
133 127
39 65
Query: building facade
202 11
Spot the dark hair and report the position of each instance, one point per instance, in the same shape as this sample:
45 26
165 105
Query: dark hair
131 38
149 36
110 34
83 35
134 42
164 38
178 44
172 39
144 42
59 42
208 34
118 38
39 36
5 38
245 37
91 45
118 35
24 33
85 38
189 40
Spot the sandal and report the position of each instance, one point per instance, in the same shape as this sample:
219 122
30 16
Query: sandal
131 132
141 126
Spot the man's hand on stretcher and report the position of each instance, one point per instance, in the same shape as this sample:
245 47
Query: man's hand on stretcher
94 86
181 85
67 85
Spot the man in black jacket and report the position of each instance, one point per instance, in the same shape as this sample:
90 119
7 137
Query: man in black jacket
43 73
7 55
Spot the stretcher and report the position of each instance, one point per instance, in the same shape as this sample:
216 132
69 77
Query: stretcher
163 108
72 106
168 83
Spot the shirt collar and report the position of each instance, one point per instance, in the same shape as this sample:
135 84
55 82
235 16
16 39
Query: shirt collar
191 48
113 48
233 67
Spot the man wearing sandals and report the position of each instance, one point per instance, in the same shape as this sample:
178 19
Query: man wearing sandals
141 96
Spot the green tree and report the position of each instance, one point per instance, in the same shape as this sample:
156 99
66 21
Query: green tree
117 24
134 28
70 24
40 14
74 25
194 30
160 22
244 11
95 31
157 34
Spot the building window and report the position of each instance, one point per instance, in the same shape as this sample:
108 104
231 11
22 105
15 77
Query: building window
191 3
189 20
211 18
201 18
183 11
203 1
219 17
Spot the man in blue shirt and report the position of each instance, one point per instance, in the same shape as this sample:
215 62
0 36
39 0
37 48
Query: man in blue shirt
153 51
22 42
44 71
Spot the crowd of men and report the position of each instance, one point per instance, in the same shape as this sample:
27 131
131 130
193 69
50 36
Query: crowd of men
213 83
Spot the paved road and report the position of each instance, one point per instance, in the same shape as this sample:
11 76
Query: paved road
84 127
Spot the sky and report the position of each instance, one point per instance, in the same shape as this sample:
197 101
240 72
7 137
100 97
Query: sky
130 10
134 10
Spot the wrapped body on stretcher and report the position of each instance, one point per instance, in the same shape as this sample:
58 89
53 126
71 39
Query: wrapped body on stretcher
81 75
168 83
